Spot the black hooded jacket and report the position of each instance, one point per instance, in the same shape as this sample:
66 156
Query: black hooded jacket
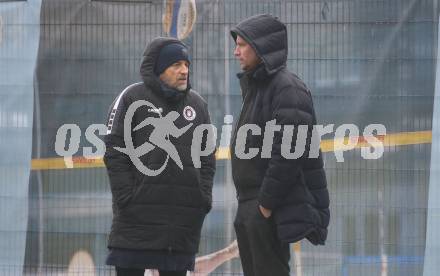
166 211
295 189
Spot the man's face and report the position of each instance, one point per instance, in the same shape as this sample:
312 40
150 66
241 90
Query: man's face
246 55
176 75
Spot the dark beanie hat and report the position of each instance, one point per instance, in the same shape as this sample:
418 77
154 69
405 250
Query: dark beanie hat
170 54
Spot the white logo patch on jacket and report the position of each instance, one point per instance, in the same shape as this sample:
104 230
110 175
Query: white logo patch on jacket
189 113
156 110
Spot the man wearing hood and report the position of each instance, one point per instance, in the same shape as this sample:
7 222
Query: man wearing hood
157 217
281 200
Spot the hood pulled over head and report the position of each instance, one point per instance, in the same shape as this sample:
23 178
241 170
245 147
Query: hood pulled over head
268 37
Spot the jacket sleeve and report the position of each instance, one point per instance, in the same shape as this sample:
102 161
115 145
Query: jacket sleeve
119 165
207 169
290 106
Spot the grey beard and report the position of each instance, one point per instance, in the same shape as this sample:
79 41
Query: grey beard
181 87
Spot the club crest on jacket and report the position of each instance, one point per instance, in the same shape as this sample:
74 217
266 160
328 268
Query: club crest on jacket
189 113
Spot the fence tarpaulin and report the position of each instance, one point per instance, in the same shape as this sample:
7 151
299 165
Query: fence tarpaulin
19 40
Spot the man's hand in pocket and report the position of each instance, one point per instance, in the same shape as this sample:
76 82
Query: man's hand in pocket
265 212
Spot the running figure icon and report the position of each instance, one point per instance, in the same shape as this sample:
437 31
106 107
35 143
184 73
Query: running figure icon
163 128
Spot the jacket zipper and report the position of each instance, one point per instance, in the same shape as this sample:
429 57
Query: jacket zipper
242 111
245 101
178 108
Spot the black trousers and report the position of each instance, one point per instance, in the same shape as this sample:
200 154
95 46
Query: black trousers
140 272
261 252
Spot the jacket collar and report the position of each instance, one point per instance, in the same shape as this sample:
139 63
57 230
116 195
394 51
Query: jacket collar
257 73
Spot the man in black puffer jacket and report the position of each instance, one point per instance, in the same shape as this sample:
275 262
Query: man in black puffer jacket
281 200
160 198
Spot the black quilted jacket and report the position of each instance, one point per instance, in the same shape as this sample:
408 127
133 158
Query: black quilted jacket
295 189
165 211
